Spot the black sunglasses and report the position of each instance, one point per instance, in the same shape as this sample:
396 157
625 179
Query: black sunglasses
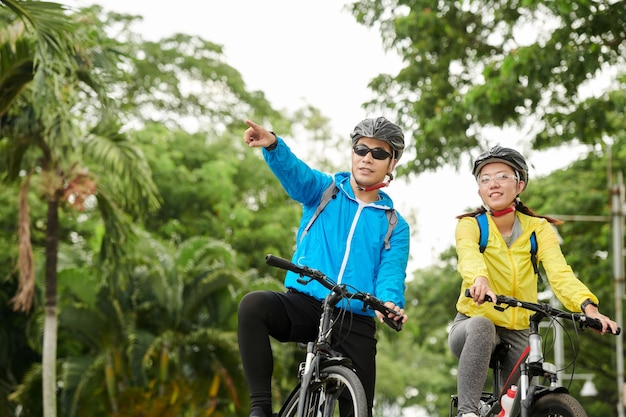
377 153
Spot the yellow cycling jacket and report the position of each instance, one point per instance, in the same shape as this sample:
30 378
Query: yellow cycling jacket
510 270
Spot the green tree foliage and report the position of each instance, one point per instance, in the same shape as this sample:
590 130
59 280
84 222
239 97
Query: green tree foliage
415 366
218 187
180 81
167 342
494 63
155 336
50 70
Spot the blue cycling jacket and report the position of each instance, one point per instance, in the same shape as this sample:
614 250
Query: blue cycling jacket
346 241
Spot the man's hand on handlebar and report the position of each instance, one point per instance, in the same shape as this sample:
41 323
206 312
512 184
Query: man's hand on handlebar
480 289
399 316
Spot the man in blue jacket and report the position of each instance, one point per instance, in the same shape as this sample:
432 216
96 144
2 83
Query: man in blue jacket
348 242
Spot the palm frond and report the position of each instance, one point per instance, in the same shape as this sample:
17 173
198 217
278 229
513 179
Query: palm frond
76 281
16 67
81 375
223 351
49 21
139 343
114 156
30 387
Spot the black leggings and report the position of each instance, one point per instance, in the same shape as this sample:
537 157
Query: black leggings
294 317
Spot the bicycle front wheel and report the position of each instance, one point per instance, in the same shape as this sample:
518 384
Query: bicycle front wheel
557 404
338 393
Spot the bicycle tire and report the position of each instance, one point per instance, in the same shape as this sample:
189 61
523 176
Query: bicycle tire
323 395
557 404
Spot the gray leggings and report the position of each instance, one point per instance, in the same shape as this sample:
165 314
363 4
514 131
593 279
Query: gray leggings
472 340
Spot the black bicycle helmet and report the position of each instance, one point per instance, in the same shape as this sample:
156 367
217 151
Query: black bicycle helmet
508 156
382 129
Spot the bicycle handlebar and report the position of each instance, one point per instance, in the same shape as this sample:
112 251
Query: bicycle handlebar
547 310
368 299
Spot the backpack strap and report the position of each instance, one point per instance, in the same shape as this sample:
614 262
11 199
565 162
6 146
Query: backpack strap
483 226
533 255
330 193
392 221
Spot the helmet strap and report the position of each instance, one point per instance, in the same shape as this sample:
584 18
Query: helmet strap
373 187
498 213
376 186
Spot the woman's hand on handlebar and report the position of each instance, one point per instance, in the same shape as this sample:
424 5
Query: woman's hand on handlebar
400 316
479 289
608 325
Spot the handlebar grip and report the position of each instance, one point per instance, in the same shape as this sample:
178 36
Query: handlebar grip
596 324
593 323
282 263
468 295
396 325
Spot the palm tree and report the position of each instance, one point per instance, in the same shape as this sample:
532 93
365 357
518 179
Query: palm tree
49 91
34 43
189 306
165 343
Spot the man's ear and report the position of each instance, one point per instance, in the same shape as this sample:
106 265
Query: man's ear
392 165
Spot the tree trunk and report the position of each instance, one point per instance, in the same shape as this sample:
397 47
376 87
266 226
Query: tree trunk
50 325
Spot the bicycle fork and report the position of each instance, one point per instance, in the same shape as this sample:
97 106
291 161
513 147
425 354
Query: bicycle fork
308 368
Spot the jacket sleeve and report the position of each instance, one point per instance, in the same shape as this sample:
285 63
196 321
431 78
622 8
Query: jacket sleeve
570 291
390 282
303 183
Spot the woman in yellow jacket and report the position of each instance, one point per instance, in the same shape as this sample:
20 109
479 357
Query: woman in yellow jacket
505 268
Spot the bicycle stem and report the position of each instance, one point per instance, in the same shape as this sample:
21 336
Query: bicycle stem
534 339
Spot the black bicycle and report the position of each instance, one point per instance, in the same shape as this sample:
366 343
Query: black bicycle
328 385
538 391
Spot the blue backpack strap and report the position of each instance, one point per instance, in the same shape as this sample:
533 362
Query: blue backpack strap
483 226
533 255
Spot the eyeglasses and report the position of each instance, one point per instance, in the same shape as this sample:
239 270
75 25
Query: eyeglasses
498 178
377 153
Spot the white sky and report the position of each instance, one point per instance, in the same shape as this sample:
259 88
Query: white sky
300 52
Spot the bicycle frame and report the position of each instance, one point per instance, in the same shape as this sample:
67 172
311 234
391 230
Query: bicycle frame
319 353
